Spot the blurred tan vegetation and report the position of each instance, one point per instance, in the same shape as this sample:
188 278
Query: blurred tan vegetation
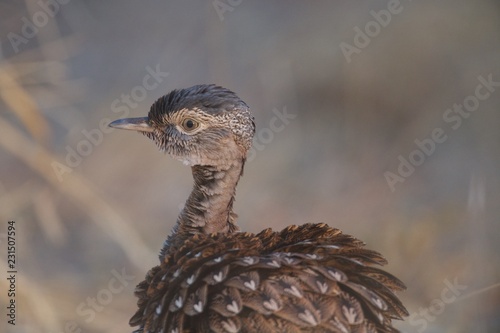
110 210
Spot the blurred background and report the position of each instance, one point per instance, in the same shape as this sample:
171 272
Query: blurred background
380 118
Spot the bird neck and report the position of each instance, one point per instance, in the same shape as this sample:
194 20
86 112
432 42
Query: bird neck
209 208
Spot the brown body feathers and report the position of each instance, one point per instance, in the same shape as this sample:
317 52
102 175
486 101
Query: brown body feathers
310 278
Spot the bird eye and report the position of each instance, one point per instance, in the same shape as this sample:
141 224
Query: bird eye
189 124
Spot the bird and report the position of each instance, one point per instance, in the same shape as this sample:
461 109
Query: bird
212 277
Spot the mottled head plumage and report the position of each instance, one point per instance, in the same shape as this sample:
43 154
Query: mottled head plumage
200 125
210 98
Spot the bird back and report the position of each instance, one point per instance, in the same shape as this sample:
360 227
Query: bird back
309 278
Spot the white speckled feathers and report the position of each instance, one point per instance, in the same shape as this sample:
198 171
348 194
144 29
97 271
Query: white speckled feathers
310 278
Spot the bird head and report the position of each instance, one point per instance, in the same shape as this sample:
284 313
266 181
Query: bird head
200 125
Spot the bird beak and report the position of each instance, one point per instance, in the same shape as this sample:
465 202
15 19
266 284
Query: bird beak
133 124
